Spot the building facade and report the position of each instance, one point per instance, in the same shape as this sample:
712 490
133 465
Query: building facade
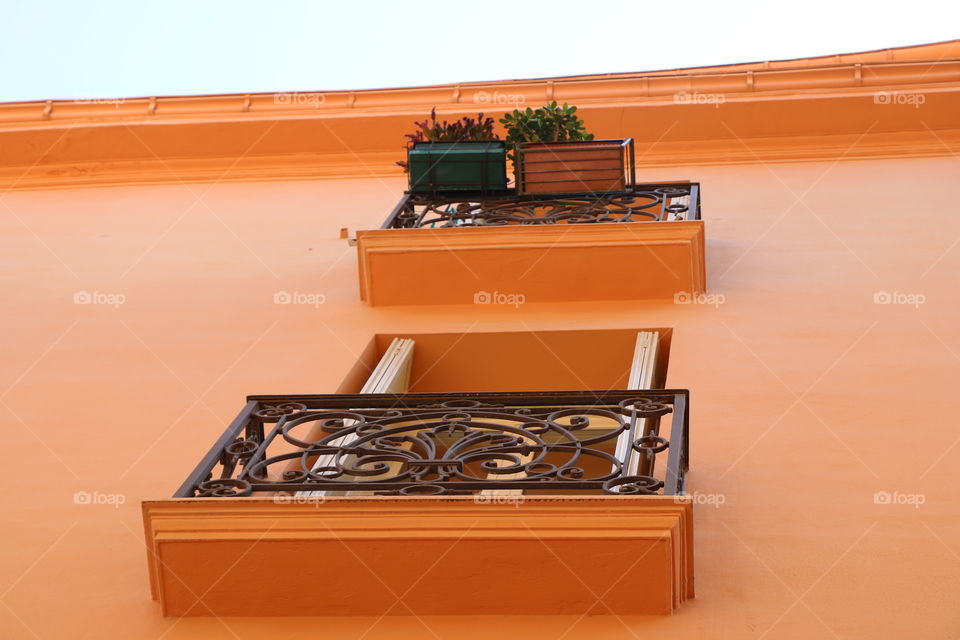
783 329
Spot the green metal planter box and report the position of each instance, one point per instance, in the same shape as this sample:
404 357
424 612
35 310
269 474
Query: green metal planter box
458 166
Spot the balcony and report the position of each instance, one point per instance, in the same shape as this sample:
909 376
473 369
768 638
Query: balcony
334 504
648 203
549 248
447 444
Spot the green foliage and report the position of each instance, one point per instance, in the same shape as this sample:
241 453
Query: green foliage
549 123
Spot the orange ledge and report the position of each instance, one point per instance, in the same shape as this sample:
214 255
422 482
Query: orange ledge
425 555
304 166
550 263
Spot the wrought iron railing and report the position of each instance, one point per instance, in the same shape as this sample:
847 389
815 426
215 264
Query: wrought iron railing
530 443
661 202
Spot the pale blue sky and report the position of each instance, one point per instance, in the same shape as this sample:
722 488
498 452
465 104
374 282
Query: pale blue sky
96 49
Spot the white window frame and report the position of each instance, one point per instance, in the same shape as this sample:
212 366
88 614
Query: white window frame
391 375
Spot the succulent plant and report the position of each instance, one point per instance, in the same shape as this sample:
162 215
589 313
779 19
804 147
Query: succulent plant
549 123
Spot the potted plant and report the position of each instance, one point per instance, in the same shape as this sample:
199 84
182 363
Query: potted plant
553 153
463 155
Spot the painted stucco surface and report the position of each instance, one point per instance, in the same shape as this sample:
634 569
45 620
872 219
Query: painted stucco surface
823 373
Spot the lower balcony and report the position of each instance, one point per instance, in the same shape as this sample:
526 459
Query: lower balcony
433 504
447 249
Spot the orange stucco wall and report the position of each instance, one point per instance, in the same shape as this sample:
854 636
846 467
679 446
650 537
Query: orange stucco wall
821 364
807 396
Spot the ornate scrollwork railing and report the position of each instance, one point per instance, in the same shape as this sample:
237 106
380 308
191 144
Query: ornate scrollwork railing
604 442
647 203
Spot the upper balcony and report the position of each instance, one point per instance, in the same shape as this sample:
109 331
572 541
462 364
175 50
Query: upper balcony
335 504
573 216
662 202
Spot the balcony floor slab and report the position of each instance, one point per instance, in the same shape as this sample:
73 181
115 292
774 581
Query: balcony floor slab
542 263
469 555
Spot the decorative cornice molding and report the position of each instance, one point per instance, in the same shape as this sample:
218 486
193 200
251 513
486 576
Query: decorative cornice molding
841 107
923 65
663 154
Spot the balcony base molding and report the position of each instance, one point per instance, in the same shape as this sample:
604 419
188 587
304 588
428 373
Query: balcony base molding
465 555
548 263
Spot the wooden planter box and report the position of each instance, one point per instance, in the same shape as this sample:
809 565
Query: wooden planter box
596 166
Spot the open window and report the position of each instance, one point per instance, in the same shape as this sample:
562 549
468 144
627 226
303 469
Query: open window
523 360
520 361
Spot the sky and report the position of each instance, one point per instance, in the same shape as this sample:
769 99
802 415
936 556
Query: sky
83 49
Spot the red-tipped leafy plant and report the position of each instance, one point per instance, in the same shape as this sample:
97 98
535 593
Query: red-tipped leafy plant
466 129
